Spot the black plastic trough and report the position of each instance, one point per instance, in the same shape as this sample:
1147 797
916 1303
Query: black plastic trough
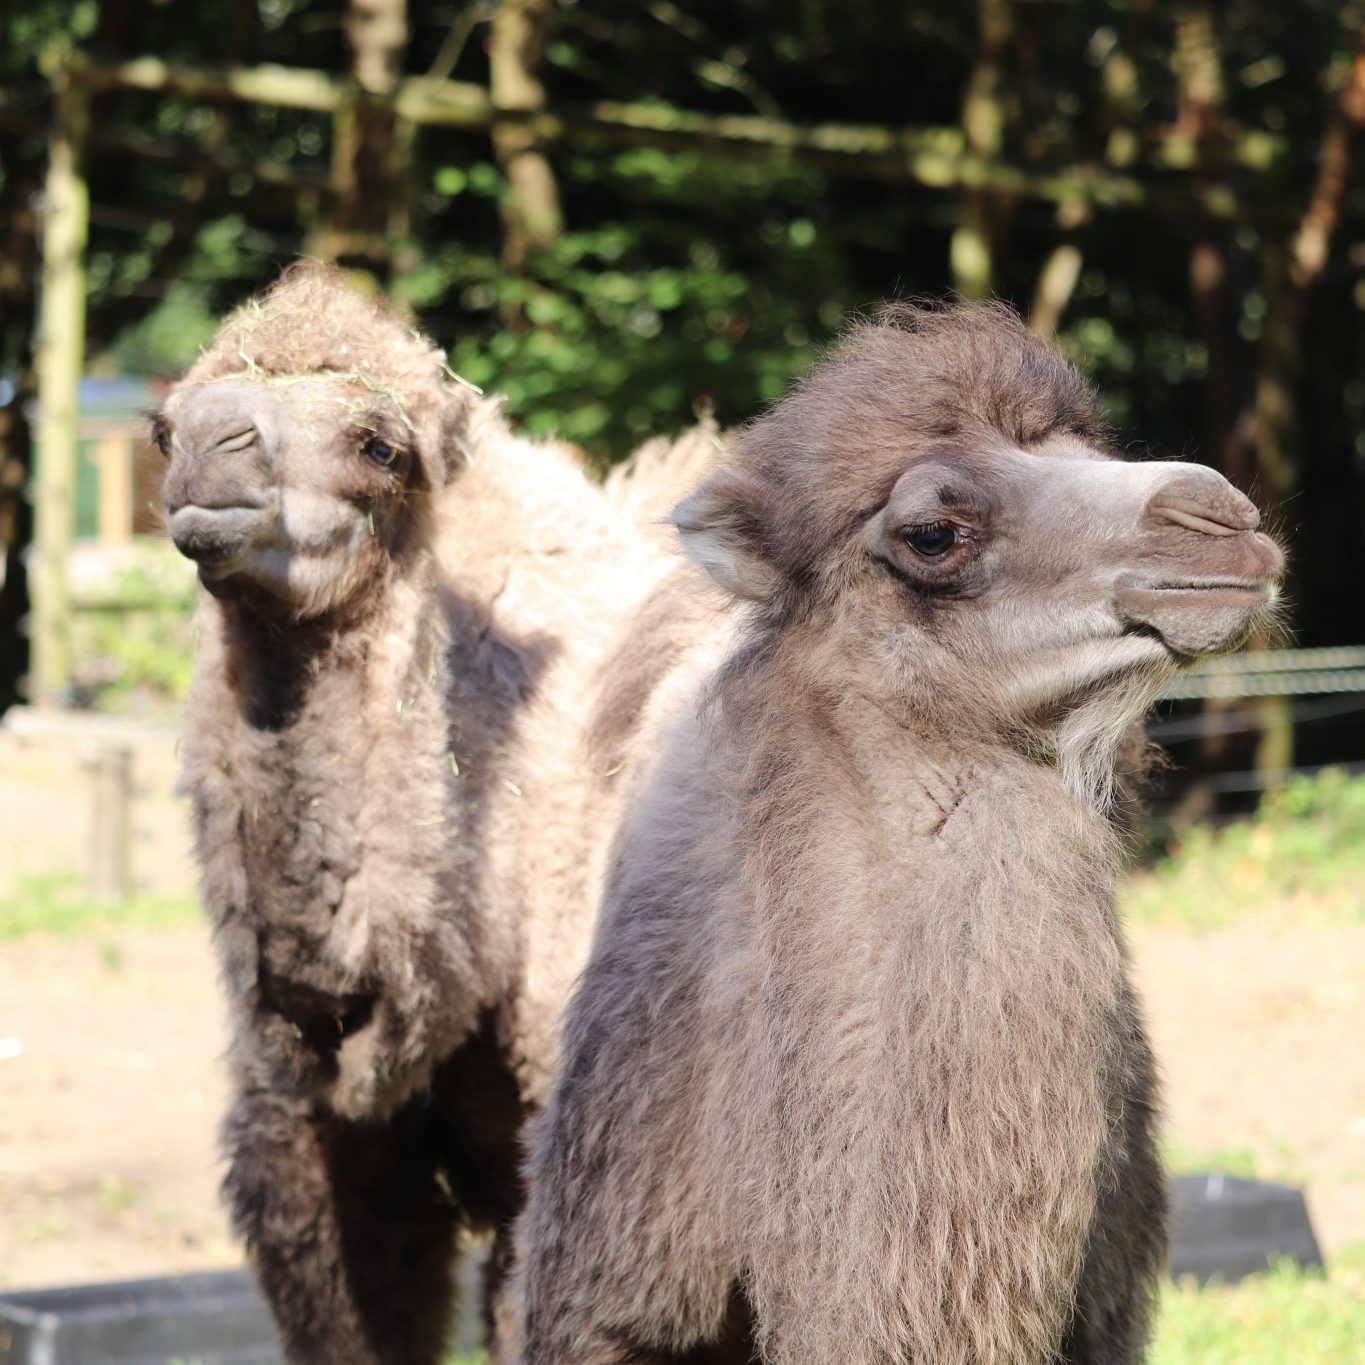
1225 1228
216 1318
1222 1228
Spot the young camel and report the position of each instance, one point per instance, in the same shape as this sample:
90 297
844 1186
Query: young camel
399 838
855 1072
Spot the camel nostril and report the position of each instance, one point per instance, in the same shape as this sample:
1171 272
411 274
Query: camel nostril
214 534
1209 505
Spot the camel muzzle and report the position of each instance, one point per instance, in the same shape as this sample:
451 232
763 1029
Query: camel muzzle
1209 600
214 536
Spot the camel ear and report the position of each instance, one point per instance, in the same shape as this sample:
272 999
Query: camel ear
720 528
448 439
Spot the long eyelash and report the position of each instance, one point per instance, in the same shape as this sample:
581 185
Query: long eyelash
961 529
158 428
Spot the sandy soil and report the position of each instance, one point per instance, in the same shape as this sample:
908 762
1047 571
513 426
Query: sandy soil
111 1080
1260 1034
107 1158
45 804
108 1166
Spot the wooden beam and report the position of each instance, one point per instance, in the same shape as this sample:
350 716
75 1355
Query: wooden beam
286 86
935 157
368 209
182 152
113 459
60 362
111 825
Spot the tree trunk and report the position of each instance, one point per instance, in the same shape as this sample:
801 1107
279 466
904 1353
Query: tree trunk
61 363
369 205
1061 271
984 116
18 304
531 215
1216 305
1288 278
1288 274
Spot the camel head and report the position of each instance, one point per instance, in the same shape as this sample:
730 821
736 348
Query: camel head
937 504
300 445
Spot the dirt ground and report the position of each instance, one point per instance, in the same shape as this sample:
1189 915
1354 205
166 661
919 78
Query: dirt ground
111 1078
1260 1036
108 1166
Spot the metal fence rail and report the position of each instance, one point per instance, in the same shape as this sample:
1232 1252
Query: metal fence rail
1274 673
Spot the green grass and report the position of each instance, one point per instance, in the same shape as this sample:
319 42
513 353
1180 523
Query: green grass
1179 1159
1286 1316
57 903
1300 858
133 638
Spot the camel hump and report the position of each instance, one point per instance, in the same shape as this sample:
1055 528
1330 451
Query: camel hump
647 485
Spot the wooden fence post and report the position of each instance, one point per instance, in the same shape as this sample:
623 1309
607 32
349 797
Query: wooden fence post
115 456
61 356
110 823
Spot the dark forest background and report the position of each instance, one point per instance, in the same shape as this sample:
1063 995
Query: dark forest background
1168 187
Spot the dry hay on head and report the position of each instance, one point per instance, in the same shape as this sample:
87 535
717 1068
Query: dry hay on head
310 324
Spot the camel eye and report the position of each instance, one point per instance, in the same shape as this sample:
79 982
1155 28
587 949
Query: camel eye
381 452
933 540
161 439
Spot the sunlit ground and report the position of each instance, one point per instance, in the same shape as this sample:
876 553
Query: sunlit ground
1249 947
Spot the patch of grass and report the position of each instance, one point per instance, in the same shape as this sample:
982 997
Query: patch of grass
1179 1159
111 955
1301 856
48 1228
1277 1161
1286 1315
115 1194
57 903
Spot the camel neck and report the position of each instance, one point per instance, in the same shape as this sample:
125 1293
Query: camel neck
331 823
279 672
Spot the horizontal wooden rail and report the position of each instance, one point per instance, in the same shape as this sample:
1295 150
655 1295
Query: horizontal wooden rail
933 156
313 179
44 724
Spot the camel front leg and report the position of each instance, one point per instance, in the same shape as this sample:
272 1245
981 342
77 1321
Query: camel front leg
1116 1294
352 1240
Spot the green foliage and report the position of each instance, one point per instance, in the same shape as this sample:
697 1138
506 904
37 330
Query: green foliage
167 338
1287 1314
624 329
1303 851
605 354
135 641
57 903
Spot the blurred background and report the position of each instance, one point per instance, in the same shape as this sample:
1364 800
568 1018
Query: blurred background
620 213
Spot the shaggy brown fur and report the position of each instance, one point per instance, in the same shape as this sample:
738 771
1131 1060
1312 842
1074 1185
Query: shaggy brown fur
855 1071
399 832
